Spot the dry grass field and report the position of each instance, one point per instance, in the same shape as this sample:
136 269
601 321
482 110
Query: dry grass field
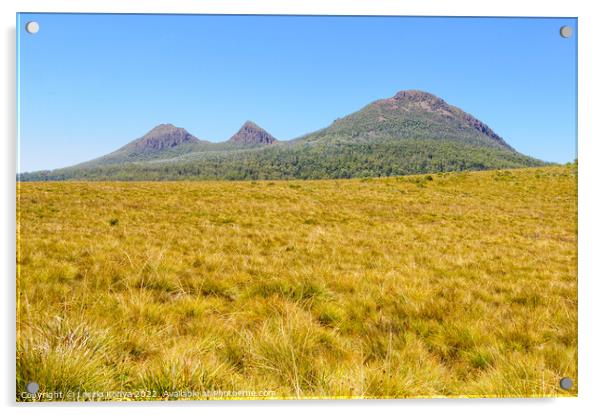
456 284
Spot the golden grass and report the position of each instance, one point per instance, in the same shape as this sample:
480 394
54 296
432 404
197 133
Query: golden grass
458 284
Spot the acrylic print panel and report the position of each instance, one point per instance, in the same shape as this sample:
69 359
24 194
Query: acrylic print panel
274 207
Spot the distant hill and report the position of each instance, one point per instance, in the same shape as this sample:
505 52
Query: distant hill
412 132
251 133
162 141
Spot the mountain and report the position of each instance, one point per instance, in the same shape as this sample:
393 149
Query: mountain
251 134
166 141
161 137
411 115
162 141
411 132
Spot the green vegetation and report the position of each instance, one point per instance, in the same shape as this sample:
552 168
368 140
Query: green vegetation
309 161
450 284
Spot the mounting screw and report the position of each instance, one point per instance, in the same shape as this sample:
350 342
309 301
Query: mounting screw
566 31
32 387
32 27
566 383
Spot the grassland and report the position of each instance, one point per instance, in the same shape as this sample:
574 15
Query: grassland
452 284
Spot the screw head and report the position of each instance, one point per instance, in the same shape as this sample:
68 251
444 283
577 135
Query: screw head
32 27
566 31
566 383
32 387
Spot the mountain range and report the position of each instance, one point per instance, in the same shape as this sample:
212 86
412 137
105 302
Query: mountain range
411 132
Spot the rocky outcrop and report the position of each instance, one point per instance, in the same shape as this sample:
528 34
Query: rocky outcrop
250 133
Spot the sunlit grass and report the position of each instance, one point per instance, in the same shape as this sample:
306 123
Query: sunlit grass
458 284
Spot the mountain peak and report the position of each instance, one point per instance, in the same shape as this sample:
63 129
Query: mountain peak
161 137
163 128
425 100
251 133
415 95
250 124
427 103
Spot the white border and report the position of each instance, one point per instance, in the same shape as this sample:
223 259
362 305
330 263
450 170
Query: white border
590 188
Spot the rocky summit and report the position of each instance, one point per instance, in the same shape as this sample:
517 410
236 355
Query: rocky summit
162 137
251 133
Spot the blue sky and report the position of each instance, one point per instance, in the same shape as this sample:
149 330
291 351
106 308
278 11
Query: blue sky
89 84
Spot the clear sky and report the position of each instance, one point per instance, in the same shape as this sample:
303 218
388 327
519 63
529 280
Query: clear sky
89 84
